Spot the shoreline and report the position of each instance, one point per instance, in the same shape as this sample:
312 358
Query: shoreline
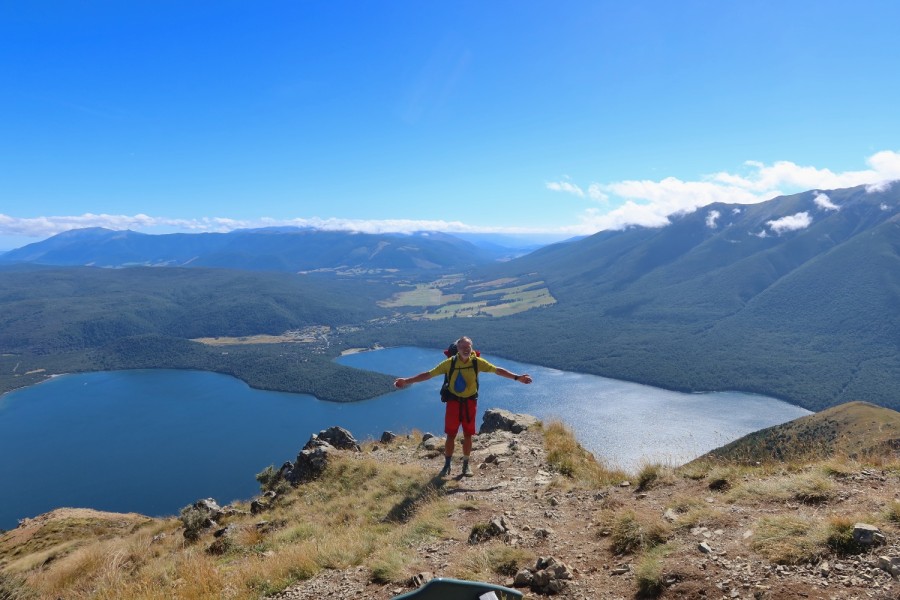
28 385
377 347
350 351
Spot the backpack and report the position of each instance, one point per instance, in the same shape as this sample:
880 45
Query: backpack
446 393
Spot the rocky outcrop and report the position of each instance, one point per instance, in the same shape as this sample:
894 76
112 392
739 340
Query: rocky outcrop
313 458
496 419
547 576
201 515
263 503
867 535
336 436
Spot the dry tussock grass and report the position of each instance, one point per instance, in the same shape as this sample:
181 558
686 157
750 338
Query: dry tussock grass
375 514
789 538
809 488
494 558
632 531
839 467
892 512
648 571
654 474
31 561
694 512
570 459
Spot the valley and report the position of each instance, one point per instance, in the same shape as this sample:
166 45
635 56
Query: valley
455 296
808 315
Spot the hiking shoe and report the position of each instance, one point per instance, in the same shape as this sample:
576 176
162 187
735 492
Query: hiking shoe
467 472
445 472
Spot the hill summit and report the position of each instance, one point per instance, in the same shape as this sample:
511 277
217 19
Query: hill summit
372 521
854 429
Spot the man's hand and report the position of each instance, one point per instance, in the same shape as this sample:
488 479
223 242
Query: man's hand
526 378
402 382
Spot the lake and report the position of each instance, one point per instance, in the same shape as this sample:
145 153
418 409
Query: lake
153 441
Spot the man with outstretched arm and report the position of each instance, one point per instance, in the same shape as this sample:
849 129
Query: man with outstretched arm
460 392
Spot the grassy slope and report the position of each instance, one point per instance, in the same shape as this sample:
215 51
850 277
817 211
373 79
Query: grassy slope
377 518
854 429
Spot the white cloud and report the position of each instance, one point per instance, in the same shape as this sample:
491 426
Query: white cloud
650 203
881 186
735 211
887 164
44 227
620 204
565 186
800 220
629 214
824 202
711 218
596 193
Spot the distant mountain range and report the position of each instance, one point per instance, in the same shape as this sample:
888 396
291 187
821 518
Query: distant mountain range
270 249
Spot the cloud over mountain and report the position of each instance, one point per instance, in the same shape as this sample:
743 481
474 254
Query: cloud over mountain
616 205
824 202
801 220
650 203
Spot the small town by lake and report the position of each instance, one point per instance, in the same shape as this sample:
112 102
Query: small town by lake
153 441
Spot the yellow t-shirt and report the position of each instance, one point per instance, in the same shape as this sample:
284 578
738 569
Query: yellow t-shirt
464 370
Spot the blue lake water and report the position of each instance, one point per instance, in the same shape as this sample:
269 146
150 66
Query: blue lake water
153 441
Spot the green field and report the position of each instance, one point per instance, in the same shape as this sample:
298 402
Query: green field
452 297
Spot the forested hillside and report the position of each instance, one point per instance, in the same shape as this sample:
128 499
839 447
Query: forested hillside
75 319
810 314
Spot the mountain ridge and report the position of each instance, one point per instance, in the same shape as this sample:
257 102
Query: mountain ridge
810 314
274 249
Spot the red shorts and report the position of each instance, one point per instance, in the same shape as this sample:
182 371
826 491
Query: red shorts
460 412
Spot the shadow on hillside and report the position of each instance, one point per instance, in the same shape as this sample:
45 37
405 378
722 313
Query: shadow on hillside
404 510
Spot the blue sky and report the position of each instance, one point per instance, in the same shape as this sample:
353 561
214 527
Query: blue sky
559 117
